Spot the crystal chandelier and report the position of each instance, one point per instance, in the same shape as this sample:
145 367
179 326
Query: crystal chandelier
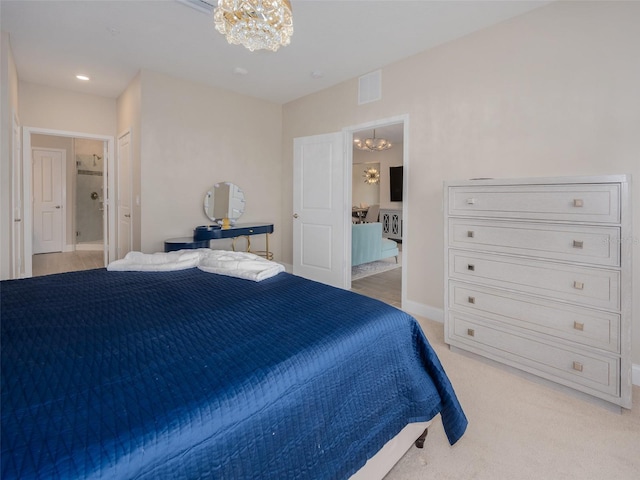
256 24
371 176
372 144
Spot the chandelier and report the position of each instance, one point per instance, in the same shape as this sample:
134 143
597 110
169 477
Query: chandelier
372 144
256 24
371 176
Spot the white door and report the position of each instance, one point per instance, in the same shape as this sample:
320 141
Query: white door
48 200
18 224
319 218
125 233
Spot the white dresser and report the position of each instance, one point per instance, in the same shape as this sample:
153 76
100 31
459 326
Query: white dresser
391 220
538 277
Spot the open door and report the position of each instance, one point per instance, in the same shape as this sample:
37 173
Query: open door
124 202
319 218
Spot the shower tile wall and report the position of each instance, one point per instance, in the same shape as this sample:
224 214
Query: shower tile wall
89 209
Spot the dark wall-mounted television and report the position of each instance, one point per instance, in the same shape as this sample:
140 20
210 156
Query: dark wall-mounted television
395 184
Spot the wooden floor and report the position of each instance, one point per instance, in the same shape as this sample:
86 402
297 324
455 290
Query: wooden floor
385 286
49 263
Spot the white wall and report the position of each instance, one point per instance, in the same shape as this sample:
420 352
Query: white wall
550 93
53 108
194 136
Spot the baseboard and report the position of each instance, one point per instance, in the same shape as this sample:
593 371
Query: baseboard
89 247
68 248
635 374
422 310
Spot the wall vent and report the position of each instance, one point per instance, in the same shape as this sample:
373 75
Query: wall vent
370 87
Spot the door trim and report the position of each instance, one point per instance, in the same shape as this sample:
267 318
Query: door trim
27 205
17 217
348 165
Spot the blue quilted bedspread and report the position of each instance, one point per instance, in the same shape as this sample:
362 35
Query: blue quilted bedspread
176 375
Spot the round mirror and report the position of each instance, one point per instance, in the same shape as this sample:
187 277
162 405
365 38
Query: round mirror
224 200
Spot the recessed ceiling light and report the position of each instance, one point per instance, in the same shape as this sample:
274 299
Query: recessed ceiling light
82 77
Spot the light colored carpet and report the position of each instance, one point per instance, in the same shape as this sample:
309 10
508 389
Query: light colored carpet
519 429
373 268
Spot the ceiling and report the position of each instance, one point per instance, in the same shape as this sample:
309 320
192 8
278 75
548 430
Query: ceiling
333 41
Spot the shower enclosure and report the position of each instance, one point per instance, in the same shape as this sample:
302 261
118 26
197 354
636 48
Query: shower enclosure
89 201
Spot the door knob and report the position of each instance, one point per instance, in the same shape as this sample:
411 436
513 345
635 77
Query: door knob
295 215
58 206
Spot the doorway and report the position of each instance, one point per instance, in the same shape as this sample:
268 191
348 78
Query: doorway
374 175
88 220
89 194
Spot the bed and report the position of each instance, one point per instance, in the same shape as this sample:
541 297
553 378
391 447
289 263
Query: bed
189 374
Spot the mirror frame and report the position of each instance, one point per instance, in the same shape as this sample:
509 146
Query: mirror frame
209 203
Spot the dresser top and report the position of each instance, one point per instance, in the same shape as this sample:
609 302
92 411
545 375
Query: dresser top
622 178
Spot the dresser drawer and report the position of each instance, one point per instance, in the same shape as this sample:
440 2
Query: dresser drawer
581 369
583 326
584 244
579 203
588 286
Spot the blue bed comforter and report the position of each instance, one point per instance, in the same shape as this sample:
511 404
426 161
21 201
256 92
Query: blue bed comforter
184 375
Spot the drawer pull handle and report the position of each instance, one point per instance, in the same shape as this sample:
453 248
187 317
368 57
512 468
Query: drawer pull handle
471 268
577 366
578 285
578 244
578 326
472 299
578 202
471 201
470 234
471 332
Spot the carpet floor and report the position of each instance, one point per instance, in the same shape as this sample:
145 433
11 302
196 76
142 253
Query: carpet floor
519 430
373 268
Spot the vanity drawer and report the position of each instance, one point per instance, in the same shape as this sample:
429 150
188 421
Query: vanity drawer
580 203
582 369
571 243
597 287
583 326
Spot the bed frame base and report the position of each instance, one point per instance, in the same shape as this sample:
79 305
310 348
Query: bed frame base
383 461
419 443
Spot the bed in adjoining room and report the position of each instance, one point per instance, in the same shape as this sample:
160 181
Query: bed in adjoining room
189 374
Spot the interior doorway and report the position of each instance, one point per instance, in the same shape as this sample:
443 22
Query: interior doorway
374 198
89 222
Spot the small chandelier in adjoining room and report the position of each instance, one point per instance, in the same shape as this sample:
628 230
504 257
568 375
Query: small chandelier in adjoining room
372 144
371 176
256 24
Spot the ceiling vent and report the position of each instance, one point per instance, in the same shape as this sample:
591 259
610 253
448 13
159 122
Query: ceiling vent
370 87
200 5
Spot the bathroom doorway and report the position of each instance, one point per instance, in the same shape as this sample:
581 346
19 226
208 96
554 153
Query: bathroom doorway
89 194
88 238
